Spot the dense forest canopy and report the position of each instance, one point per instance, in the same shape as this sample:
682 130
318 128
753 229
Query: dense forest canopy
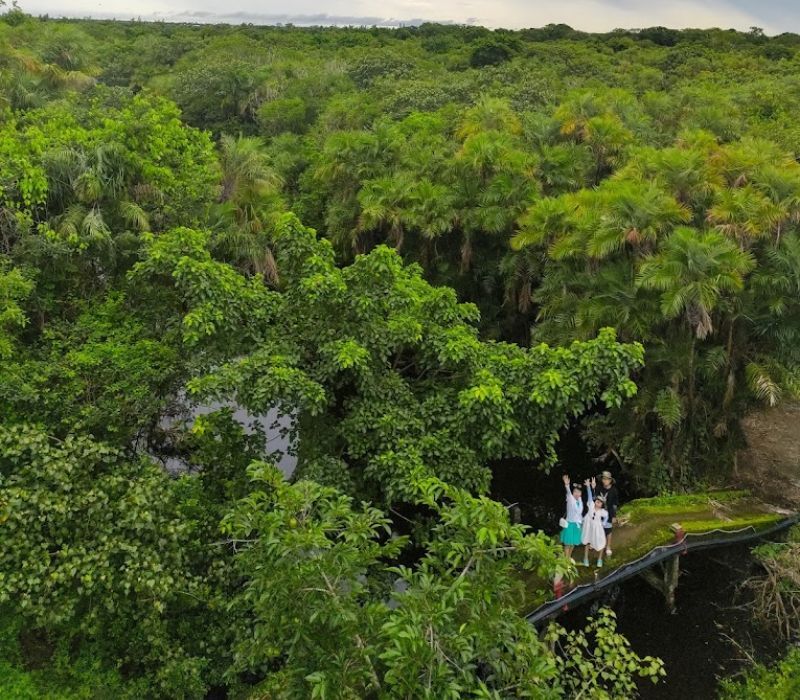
431 248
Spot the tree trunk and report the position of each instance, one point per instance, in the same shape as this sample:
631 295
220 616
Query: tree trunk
731 382
690 402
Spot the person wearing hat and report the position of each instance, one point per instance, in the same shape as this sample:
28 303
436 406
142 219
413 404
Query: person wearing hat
608 490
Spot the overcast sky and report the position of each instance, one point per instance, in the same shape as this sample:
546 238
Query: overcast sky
774 16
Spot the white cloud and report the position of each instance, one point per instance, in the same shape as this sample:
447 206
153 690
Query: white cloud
589 15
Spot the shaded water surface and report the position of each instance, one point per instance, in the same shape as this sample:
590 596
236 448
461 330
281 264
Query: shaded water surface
695 643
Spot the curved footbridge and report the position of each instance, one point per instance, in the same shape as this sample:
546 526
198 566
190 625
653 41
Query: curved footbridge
654 534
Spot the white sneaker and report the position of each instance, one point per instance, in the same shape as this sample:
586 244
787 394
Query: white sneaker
608 552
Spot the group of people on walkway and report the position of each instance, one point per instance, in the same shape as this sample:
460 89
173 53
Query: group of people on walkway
593 525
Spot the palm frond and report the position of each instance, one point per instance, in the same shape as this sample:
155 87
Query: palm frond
134 215
762 385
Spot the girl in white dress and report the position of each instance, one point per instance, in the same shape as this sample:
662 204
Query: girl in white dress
593 534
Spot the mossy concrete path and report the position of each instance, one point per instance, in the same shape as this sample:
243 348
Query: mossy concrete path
654 530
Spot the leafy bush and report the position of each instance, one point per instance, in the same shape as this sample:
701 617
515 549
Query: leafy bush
778 682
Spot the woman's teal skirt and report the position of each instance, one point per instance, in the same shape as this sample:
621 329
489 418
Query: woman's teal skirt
571 535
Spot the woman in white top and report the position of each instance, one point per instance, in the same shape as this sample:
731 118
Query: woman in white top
571 534
593 532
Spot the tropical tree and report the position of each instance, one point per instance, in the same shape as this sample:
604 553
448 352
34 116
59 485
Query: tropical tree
444 628
352 343
114 567
694 271
93 193
14 288
383 203
699 297
249 200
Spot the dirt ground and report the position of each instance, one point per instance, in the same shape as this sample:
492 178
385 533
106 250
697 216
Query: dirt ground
770 466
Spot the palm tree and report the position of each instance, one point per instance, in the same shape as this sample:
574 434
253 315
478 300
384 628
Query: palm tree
489 152
772 312
546 220
522 272
246 172
573 113
685 173
489 114
348 159
595 120
564 167
384 203
606 136
432 215
781 184
91 196
744 214
613 298
495 183
629 213
248 202
693 271
401 204
739 162
27 81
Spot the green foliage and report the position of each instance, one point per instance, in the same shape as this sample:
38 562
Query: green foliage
126 162
218 299
390 370
50 487
330 618
599 663
93 546
59 676
778 682
14 288
489 53
490 205
282 115
248 208
106 373
701 298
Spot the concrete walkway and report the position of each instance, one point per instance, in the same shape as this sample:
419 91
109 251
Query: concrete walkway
647 531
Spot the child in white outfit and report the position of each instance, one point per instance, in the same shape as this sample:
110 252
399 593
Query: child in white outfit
593 532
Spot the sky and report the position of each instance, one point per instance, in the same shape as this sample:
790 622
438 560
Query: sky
774 16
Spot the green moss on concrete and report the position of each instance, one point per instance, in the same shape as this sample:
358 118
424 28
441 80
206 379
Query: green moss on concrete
680 504
758 521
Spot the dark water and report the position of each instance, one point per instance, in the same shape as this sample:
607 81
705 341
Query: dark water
694 643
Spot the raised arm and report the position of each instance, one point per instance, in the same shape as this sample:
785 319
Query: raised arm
571 500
